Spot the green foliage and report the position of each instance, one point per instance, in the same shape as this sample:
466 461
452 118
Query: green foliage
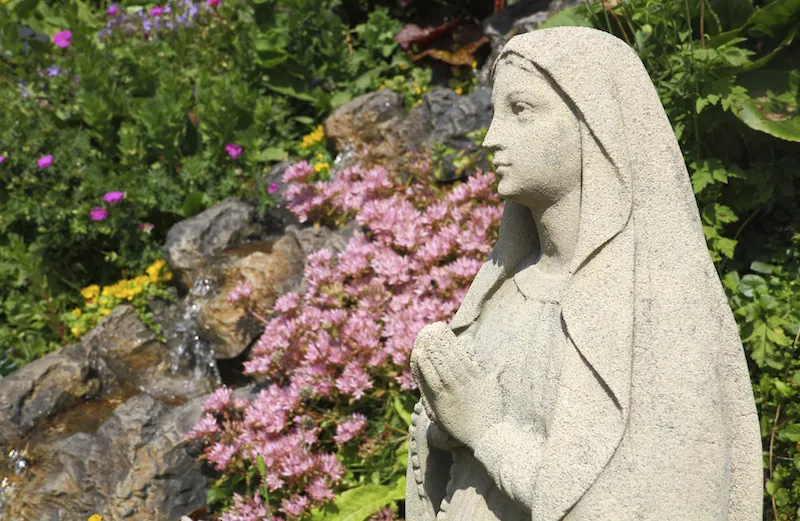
357 504
150 113
728 73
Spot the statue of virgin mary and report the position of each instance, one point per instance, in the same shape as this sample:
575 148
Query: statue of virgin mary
594 371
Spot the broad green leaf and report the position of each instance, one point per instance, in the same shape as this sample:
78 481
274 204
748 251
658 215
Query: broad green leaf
272 154
193 204
261 466
572 16
762 267
402 408
750 282
790 432
775 17
340 98
359 503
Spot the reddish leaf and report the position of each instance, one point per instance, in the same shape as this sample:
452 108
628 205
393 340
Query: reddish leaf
463 56
413 34
499 5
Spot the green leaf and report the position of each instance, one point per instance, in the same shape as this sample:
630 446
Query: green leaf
783 388
761 267
272 154
402 409
193 204
774 18
261 466
750 283
790 432
340 98
359 503
769 102
572 16
288 85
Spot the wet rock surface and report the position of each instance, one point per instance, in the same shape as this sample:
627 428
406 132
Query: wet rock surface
268 272
132 466
192 245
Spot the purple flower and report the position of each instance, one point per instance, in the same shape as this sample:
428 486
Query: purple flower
2 158
146 227
156 11
61 39
213 3
53 70
233 150
113 197
45 161
273 187
113 10
98 214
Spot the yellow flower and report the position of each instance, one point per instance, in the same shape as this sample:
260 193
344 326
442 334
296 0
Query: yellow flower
313 138
77 312
319 167
95 517
417 91
320 155
90 292
167 276
403 66
76 331
474 64
105 311
459 91
418 102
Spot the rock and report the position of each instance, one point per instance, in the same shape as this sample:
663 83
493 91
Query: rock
192 244
421 121
133 353
134 467
230 326
521 17
363 121
44 388
278 218
318 237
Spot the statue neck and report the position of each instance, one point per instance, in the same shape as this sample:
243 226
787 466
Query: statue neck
557 225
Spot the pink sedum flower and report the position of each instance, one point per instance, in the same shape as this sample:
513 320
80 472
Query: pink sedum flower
113 197
233 150
295 507
45 162
62 39
350 428
241 291
98 214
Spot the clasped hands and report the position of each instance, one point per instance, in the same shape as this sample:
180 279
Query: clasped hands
456 392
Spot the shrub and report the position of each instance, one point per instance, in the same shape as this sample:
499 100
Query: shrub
177 106
335 358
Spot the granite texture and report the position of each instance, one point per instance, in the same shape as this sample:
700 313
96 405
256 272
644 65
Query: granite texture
648 413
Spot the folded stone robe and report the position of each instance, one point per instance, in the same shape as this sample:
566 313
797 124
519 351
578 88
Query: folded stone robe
655 418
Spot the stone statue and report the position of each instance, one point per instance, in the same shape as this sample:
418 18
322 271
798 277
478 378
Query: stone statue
593 371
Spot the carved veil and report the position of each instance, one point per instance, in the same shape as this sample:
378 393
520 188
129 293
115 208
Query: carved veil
671 408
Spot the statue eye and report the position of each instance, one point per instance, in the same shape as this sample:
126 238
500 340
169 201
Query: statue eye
517 108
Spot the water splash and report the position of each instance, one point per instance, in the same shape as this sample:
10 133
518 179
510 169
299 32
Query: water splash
188 349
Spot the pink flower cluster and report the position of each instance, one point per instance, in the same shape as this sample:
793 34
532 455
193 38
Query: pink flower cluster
350 334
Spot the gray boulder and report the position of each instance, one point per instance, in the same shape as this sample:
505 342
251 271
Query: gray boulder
192 245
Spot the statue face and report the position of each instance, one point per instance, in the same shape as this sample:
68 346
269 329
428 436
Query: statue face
534 135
